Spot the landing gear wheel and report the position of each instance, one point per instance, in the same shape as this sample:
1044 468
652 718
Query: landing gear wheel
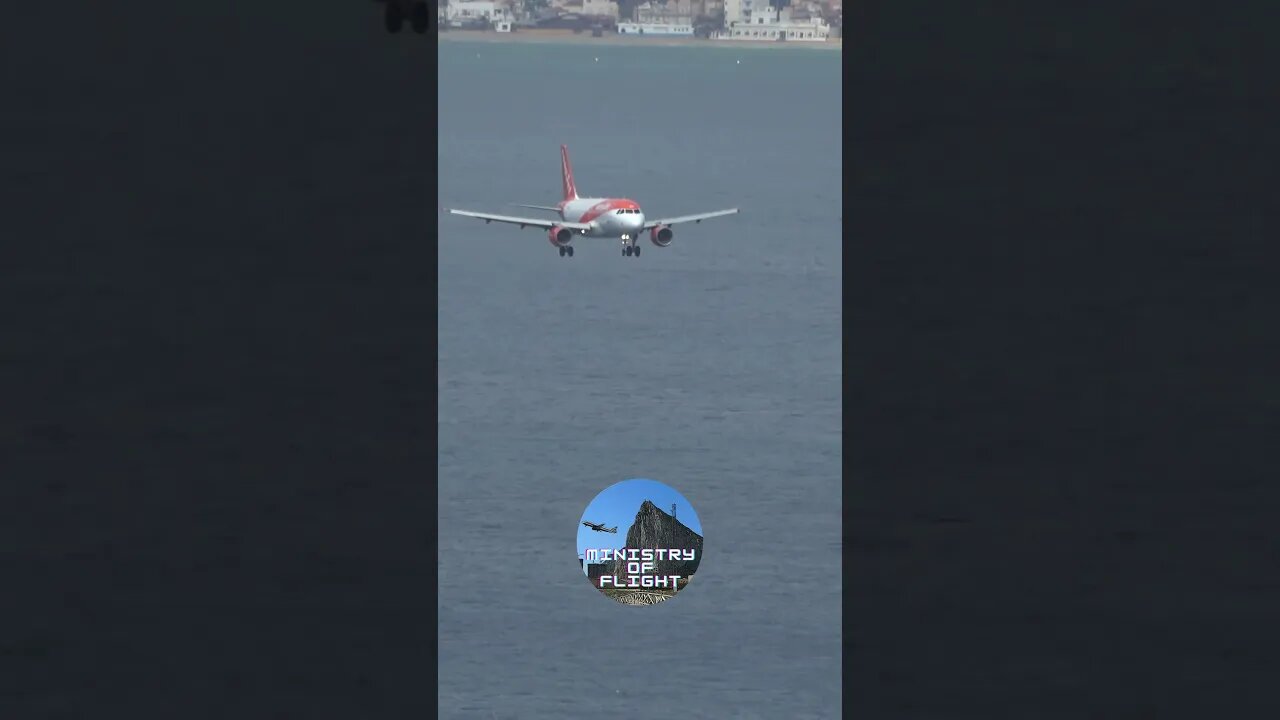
636 251
569 250
394 16
561 251
626 250
419 17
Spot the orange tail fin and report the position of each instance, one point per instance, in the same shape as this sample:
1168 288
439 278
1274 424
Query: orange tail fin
566 175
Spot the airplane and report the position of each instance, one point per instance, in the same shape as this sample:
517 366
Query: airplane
595 217
397 10
599 527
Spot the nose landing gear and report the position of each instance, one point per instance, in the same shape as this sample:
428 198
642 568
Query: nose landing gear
566 250
629 247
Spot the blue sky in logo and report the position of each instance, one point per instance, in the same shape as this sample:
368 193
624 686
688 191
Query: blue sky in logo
617 505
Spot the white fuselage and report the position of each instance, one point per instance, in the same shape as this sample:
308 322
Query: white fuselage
608 217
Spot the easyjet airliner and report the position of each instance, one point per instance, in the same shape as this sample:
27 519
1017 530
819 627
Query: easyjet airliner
596 217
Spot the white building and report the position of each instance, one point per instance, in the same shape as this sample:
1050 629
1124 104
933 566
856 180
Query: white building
736 11
673 13
765 22
600 8
675 18
461 13
674 8
666 29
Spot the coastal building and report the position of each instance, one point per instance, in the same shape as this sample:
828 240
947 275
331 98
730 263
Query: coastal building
673 12
736 12
601 10
807 8
656 29
583 14
766 22
470 13
673 18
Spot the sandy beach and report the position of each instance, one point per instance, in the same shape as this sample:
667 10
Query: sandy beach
568 36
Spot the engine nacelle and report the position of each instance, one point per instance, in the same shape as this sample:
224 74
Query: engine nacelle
661 235
559 236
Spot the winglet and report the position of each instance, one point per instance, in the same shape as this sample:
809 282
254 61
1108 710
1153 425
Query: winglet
566 175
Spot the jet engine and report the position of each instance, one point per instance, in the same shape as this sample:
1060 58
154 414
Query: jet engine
559 236
661 235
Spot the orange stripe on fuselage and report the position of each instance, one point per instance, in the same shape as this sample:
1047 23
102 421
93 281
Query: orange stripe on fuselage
604 207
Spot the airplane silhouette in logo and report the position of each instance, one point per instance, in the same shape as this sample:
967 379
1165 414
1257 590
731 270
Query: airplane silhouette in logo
599 527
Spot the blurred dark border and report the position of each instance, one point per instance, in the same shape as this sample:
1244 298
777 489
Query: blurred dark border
217 417
1060 394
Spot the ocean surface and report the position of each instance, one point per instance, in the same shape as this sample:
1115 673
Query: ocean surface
713 365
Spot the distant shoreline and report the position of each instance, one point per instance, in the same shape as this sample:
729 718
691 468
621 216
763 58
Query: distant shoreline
568 36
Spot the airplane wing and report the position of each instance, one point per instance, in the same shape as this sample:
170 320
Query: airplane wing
542 223
689 218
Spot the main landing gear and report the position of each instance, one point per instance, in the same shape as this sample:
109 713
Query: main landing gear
566 250
629 247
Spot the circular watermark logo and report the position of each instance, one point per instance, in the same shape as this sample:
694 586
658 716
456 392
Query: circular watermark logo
639 542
